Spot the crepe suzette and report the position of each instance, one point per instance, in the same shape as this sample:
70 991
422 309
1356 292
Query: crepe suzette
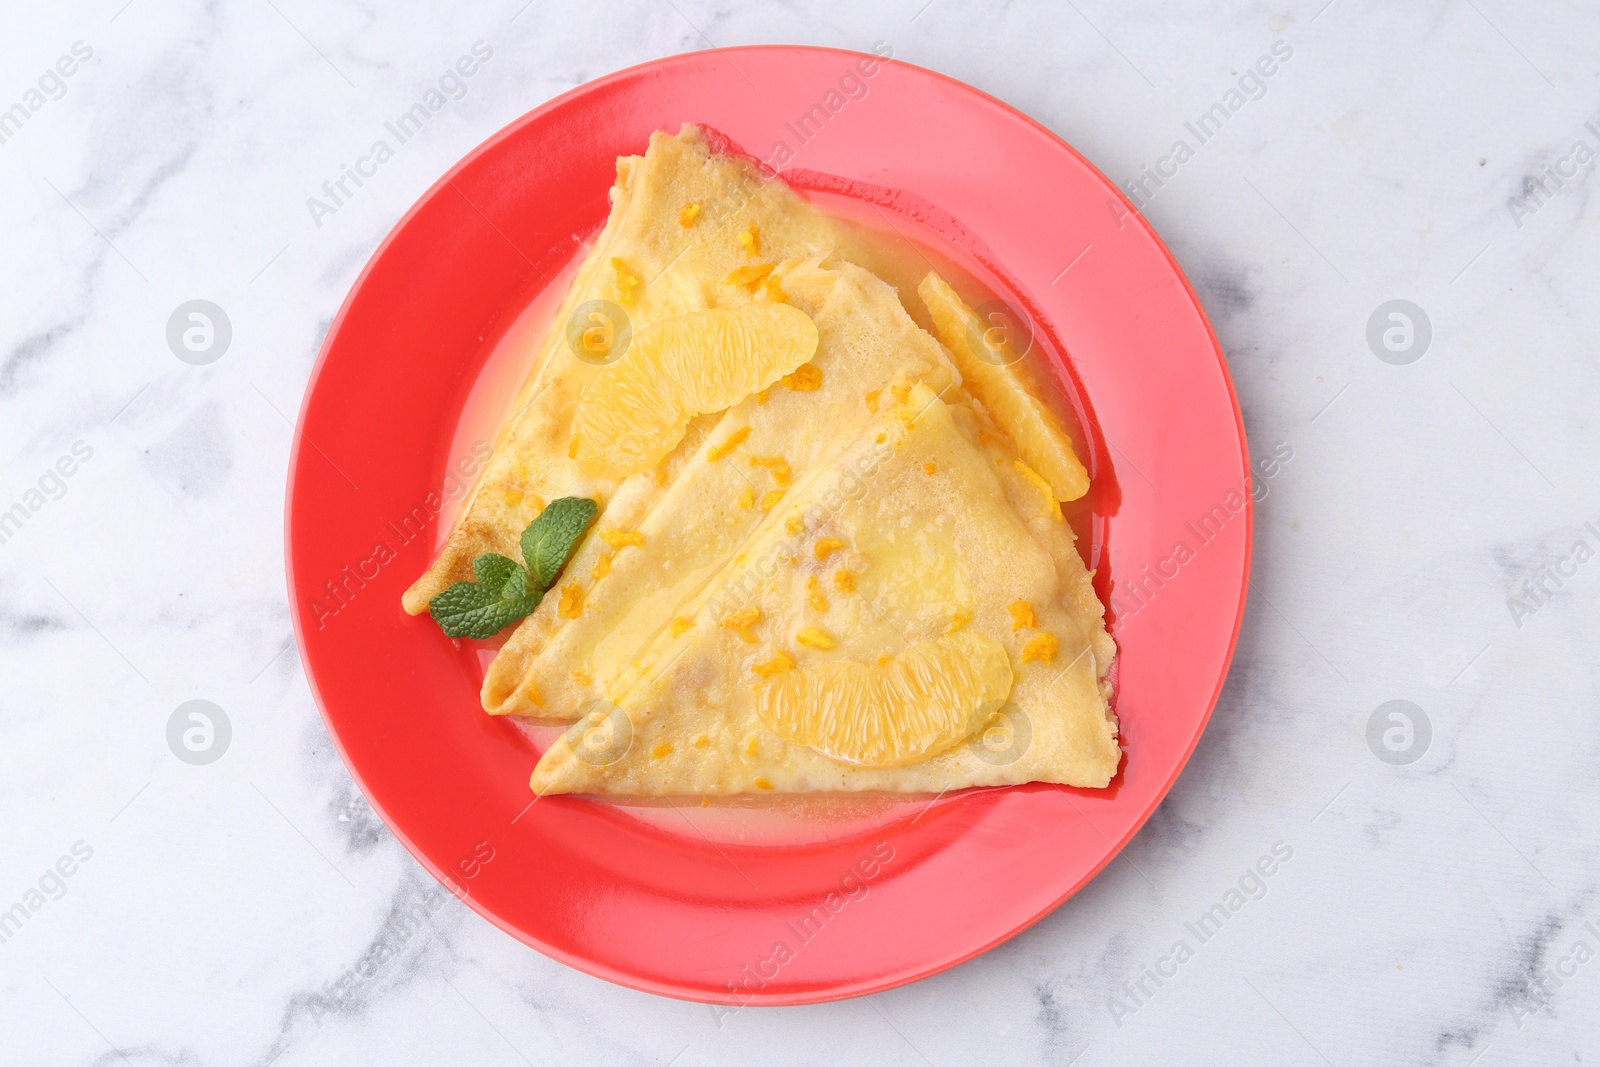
683 221
913 618
801 371
631 577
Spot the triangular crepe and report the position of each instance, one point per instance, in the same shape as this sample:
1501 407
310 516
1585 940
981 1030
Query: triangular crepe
635 570
682 220
947 542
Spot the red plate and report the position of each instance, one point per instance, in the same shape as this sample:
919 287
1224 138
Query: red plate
642 896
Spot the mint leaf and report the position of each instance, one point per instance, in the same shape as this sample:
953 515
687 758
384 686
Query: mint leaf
473 609
492 569
549 540
504 592
516 587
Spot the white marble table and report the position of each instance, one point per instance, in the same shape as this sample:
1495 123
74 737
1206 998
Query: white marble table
1438 911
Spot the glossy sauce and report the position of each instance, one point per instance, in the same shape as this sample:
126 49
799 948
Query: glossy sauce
502 382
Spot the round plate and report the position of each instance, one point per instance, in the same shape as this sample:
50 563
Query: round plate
883 900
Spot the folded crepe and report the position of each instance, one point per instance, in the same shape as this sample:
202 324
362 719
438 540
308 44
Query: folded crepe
683 221
912 617
633 575
829 553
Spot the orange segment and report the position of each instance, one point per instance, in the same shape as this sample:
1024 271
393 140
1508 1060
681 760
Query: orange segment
637 409
917 704
992 376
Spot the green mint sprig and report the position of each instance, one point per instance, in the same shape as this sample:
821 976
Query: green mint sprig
504 591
